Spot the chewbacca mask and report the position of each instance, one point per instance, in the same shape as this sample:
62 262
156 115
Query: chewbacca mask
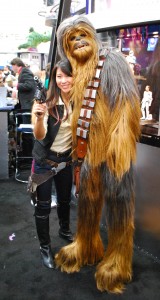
106 178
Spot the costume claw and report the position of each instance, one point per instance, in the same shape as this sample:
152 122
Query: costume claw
67 260
109 279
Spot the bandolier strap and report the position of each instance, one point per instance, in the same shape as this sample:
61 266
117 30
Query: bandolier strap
86 113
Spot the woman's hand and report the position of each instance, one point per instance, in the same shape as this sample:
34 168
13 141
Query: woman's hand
39 109
38 112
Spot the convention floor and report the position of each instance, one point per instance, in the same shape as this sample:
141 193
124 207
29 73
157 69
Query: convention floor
24 278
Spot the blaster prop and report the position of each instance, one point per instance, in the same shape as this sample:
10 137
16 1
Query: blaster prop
40 94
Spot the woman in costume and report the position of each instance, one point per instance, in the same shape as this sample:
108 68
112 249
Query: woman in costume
52 156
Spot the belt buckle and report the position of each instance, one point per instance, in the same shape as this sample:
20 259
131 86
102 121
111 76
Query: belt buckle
58 154
54 170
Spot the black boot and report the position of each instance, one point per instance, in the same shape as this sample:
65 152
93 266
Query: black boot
63 212
47 257
42 225
65 233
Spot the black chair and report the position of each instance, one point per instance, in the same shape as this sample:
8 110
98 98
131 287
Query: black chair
24 144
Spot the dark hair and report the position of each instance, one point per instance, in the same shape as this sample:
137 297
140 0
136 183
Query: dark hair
54 91
18 62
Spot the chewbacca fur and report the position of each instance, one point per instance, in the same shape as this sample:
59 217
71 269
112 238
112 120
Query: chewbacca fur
106 173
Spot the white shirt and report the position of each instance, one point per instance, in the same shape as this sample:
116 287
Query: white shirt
63 140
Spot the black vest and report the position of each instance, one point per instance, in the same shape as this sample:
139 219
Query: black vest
41 147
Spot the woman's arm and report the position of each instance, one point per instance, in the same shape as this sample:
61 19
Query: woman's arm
38 114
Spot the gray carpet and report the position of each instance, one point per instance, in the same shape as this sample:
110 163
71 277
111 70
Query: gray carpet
22 276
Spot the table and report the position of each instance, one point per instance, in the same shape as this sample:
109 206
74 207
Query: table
4 172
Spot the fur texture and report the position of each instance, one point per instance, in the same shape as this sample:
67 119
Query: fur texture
106 173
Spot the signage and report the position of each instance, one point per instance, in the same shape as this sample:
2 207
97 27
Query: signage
115 13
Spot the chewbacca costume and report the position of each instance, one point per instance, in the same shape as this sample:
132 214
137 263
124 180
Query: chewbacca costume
106 175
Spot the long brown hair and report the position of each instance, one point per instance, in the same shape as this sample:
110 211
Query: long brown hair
54 91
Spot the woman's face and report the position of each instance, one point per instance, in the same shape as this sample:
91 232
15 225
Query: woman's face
64 82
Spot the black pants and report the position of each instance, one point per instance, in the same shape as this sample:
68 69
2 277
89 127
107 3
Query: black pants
63 186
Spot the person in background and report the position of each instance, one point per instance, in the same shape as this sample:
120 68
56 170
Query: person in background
46 83
6 71
1 79
24 89
52 150
9 84
26 85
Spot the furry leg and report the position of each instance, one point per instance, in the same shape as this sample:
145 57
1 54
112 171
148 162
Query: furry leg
87 247
116 267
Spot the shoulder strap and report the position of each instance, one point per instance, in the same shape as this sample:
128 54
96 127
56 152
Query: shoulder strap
88 104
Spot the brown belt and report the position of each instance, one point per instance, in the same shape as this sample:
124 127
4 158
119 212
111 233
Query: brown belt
61 154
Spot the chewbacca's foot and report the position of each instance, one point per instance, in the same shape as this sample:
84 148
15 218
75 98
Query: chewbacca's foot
110 278
67 258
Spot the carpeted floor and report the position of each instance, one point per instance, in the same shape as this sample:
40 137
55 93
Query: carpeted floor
22 276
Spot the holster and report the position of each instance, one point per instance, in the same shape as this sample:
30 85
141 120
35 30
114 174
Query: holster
76 178
35 180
